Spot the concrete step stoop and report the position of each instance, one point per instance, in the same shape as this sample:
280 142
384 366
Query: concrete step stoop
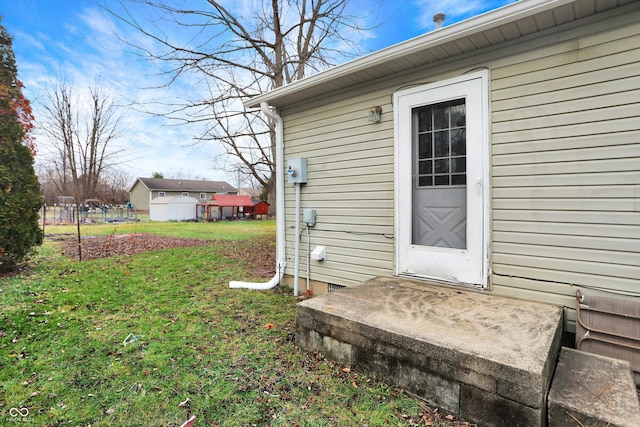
592 390
486 358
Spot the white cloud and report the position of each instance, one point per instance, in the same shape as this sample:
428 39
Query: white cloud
85 53
33 41
72 29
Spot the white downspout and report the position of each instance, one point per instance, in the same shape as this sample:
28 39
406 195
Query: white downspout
280 236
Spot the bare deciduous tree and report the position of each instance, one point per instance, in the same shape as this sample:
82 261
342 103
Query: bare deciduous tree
184 174
236 50
114 187
80 138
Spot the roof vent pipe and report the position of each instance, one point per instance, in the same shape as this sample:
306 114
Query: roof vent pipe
280 232
438 18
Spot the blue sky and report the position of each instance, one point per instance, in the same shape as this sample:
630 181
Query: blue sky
74 40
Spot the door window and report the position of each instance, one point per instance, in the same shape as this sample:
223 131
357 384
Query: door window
441 144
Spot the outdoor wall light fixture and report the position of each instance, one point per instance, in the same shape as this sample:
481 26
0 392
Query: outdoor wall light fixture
375 114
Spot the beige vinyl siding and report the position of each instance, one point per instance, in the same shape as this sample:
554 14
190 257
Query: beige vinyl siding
566 156
350 185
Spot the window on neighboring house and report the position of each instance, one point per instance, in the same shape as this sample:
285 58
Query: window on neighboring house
161 194
203 195
185 193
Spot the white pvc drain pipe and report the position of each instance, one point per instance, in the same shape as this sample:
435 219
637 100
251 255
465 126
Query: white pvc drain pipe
280 232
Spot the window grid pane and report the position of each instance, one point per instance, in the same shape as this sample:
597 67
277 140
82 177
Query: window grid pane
441 150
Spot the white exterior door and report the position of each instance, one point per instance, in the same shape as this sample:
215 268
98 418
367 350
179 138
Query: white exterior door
442 185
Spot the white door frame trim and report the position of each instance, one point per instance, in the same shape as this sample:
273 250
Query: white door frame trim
484 78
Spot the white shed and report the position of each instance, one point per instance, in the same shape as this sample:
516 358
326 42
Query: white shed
177 208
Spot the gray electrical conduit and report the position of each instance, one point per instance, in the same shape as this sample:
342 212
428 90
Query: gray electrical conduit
280 242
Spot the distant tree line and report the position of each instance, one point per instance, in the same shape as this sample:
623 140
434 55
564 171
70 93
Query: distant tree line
112 188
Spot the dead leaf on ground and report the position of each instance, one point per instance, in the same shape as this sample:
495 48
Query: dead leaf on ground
190 422
261 250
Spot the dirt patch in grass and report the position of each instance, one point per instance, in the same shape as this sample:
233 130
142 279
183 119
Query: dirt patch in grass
260 250
18 269
94 247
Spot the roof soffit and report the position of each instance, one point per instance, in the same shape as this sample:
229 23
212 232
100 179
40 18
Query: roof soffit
509 23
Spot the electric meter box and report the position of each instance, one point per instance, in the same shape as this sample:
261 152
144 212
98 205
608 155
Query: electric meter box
309 217
297 171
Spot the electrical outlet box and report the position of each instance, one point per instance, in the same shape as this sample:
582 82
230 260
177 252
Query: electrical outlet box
319 253
297 171
309 217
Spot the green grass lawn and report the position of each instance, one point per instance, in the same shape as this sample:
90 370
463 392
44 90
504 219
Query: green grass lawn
150 339
226 230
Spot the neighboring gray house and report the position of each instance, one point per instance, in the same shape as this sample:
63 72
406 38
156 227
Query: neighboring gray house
506 156
146 189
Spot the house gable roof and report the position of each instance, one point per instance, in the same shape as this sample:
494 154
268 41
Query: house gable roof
511 22
189 185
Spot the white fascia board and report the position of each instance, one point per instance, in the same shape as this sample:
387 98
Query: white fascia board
504 15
